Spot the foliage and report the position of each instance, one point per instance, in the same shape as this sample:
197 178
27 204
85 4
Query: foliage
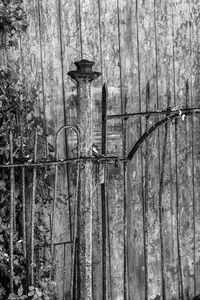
17 116
12 21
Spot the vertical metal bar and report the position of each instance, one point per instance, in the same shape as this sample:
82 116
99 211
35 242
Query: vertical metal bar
160 213
74 287
109 250
12 178
37 260
33 209
74 252
180 277
124 139
64 271
194 206
54 200
146 200
106 249
24 210
104 191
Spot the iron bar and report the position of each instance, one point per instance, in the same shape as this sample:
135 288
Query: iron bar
54 203
109 250
76 198
146 201
151 129
64 271
12 178
24 210
48 245
125 178
160 212
194 205
108 159
154 113
104 192
33 210
72 127
180 278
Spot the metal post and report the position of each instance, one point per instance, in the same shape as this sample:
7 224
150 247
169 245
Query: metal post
84 76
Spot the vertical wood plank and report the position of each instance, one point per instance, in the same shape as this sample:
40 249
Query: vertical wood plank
165 96
128 60
30 56
54 113
181 21
31 72
150 153
195 86
71 52
111 74
136 263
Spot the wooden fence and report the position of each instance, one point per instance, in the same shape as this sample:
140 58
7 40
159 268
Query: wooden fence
148 54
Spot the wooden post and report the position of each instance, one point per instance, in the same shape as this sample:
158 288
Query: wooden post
84 76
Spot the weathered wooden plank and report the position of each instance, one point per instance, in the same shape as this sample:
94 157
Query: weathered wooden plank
166 206
150 149
181 26
70 43
110 52
128 61
30 56
109 27
195 123
54 112
136 269
68 21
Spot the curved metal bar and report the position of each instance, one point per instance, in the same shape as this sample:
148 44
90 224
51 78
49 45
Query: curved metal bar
73 127
153 128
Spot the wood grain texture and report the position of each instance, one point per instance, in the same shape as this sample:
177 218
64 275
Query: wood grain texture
54 112
111 75
129 102
165 98
148 53
31 60
195 13
181 18
150 155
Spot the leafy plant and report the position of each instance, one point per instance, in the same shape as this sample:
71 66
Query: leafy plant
12 21
17 116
